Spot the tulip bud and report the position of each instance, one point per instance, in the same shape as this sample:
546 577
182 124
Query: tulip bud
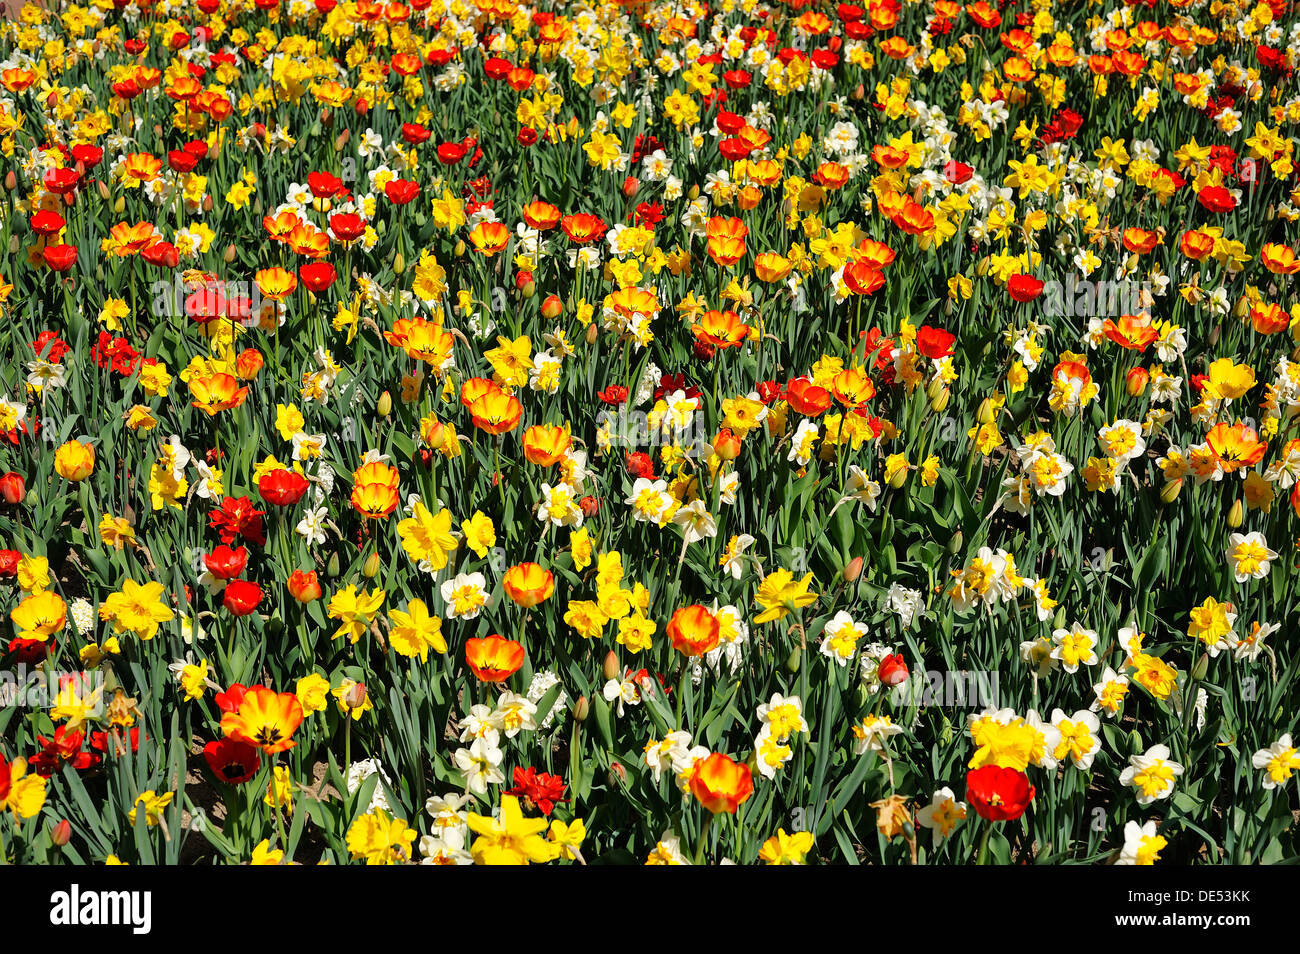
119 205
61 833
1237 514
695 192
726 444
355 697
853 570
371 567
384 406
939 402
1135 382
1169 492
1242 308
631 186
228 255
207 203
581 709
341 140
1212 339
13 488
552 307
611 665
460 249
11 181
592 333
399 263
792 661
333 567
249 363
986 414
589 505
528 289
617 774
859 92
1201 667
103 190
955 542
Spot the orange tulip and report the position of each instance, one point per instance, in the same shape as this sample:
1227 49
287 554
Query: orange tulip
276 283
1235 446
694 630
496 412
722 784
216 392
489 238
265 719
374 489
546 444
541 215
529 584
721 329
422 340
494 659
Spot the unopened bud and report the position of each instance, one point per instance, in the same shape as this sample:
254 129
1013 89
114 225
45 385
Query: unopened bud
611 665
355 697
853 570
792 661
986 413
460 249
581 709
61 833
228 255
955 542
332 567
1169 492
939 402
11 180
617 774
399 263
552 307
119 205
371 566
1237 514
592 333
1135 382
384 406
1201 667
103 190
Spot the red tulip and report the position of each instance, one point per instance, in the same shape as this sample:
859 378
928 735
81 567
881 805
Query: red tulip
225 563
1024 287
13 488
997 793
282 488
241 597
318 276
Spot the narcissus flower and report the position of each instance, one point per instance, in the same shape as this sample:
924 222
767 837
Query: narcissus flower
780 594
494 659
509 838
1152 774
426 537
265 719
721 784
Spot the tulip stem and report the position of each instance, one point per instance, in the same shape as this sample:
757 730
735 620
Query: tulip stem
981 858
699 843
